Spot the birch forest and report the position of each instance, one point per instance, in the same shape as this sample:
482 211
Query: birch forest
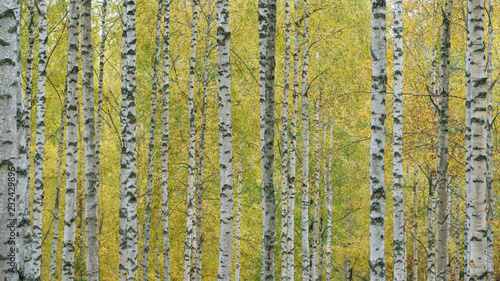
249 140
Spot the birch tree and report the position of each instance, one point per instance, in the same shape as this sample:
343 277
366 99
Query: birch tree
490 210
293 150
431 229
457 233
198 239
100 91
285 193
165 140
91 169
415 225
128 121
316 226
238 227
122 265
24 241
191 147
329 202
151 147
11 133
225 141
68 257
476 267
377 145
267 48
55 226
39 140
306 264
397 159
442 169
468 149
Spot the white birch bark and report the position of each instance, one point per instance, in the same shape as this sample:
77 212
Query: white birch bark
321 251
39 141
12 133
128 171
476 267
329 201
397 160
151 147
284 155
29 87
55 226
377 146
292 154
100 91
490 210
98 126
24 243
468 151
442 169
190 212
457 232
165 141
122 265
306 264
415 225
68 258
238 227
316 227
267 48
431 229
91 169
225 142
198 240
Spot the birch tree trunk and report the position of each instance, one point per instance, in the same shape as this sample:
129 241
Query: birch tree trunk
191 149
128 171
468 151
490 209
165 141
321 251
267 48
55 227
316 227
39 141
477 267
377 146
68 258
415 225
457 233
147 227
431 230
21 176
12 133
284 164
293 151
431 208
225 142
29 86
238 227
397 160
98 127
306 264
23 202
91 169
122 266
442 169
329 201
198 240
